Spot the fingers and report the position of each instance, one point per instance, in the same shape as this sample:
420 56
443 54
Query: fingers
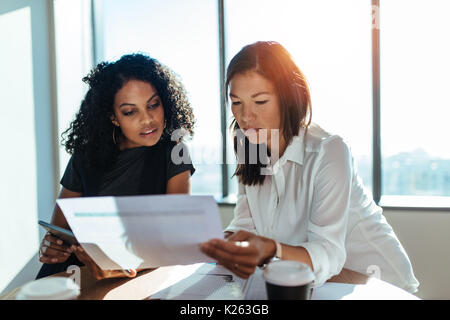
53 259
56 243
240 235
227 234
230 253
241 271
233 247
130 273
52 250
82 255
240 253
96 271
107 274
85 259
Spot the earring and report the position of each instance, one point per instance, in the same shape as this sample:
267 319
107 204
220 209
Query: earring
114 135
165 131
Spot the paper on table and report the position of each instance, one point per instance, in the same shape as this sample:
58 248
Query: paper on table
203 282
143 231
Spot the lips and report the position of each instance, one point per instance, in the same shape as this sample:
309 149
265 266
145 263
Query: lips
249 131
148 132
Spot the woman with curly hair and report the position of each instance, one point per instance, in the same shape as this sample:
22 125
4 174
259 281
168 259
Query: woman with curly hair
125 140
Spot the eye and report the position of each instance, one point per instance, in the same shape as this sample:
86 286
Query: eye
155 105
261 102
128 113
235 103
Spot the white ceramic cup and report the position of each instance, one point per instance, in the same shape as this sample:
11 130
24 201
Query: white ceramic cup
51 288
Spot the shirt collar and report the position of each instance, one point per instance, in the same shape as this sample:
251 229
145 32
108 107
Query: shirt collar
296 149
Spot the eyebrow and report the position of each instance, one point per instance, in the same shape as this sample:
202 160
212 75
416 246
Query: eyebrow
252 96
132 104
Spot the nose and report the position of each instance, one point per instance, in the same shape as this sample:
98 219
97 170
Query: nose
248 115
146 118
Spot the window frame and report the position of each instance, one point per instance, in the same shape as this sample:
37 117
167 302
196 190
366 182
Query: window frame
376 112
228 199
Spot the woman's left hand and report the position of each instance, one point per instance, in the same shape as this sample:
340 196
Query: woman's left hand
97 272
241 253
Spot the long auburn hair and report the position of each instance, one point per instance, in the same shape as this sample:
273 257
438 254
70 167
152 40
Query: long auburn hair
272 61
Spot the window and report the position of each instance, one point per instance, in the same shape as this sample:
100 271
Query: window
73 43
331 42
415 81
333 52
182 35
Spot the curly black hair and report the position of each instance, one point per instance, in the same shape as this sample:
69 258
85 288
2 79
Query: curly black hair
90 134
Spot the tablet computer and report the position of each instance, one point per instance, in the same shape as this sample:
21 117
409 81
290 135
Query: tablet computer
65 235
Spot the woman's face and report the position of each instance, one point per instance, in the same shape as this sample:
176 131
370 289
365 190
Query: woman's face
255 106
139 112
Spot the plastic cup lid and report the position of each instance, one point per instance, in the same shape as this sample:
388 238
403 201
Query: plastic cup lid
288 273
52 288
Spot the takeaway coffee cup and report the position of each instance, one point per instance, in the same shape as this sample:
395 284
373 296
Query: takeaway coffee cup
52 288
288 280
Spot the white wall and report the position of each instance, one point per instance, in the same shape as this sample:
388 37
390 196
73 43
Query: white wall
425 237
18 194
27 136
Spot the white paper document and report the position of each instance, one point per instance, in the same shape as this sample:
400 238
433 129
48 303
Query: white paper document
203 281
143 231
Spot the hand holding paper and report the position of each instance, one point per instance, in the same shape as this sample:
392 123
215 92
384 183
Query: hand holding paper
143 231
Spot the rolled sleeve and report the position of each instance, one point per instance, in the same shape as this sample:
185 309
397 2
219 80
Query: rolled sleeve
242 217
329 212
327 259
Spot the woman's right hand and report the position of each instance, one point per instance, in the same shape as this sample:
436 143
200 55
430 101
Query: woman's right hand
53 250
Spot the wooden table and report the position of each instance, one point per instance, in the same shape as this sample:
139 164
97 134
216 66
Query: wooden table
148 282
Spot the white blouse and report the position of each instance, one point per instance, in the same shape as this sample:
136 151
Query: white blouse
315 199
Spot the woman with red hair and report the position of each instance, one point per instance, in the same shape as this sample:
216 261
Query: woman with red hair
304 200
